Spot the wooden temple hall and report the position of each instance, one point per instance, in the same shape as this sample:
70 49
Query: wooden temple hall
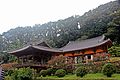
80 51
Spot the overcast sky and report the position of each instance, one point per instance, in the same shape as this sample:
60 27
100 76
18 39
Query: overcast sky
14 13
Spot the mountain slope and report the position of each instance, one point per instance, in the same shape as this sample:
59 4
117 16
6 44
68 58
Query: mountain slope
57 34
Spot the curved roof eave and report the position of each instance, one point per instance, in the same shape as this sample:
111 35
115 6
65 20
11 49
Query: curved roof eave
46 49
92 46
19 50
69 47
35 47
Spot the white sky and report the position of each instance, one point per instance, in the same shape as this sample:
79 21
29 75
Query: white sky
14 13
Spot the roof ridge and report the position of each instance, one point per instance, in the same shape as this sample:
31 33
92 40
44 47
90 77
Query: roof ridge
103 36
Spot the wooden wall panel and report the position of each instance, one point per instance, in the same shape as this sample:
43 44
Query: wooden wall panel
89 51
68 54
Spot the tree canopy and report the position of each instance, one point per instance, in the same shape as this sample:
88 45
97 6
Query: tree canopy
57 34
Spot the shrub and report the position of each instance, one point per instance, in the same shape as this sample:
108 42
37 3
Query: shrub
43 73
69 71
14 75
8 78
8 72
22 74
25 73
108 69
54 70
58 61
81 71
50 71
60 73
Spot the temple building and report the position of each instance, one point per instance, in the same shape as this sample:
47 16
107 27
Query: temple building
93 49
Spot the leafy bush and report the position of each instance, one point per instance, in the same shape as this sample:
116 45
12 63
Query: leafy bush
8 78
69 70
8 72
43 73
114 50
60 73
15 75
81 71
51 71
58 61
108 69
25 73
22 74
54 70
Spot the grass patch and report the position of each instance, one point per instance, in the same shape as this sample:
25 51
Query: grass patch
97 76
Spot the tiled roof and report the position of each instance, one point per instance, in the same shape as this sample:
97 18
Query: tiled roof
89 43
42 48
71 46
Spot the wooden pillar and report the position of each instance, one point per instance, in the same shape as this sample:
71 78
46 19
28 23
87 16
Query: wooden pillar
83 55
28 58
33 58
42 62
92 57
73 57
25 59
94 49
22 59
75 60
107 48
18 59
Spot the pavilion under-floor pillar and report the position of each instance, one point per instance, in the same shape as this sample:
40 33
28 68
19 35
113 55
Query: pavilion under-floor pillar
22 60
18 60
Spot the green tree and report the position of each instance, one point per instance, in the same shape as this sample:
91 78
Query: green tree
60 62
22 74
113 31
6 57
81 71
114 51
60 73
50 71
108 69
43 73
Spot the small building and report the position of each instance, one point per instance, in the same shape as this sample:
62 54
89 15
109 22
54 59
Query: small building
93 49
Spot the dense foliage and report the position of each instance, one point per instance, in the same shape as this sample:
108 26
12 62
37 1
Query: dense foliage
113 30
108 69
22 74
43 73
9 72
115 50
5 57
57 34
59 62
60 73
50 71
81 71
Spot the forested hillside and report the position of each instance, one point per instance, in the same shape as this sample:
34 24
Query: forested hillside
57 34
